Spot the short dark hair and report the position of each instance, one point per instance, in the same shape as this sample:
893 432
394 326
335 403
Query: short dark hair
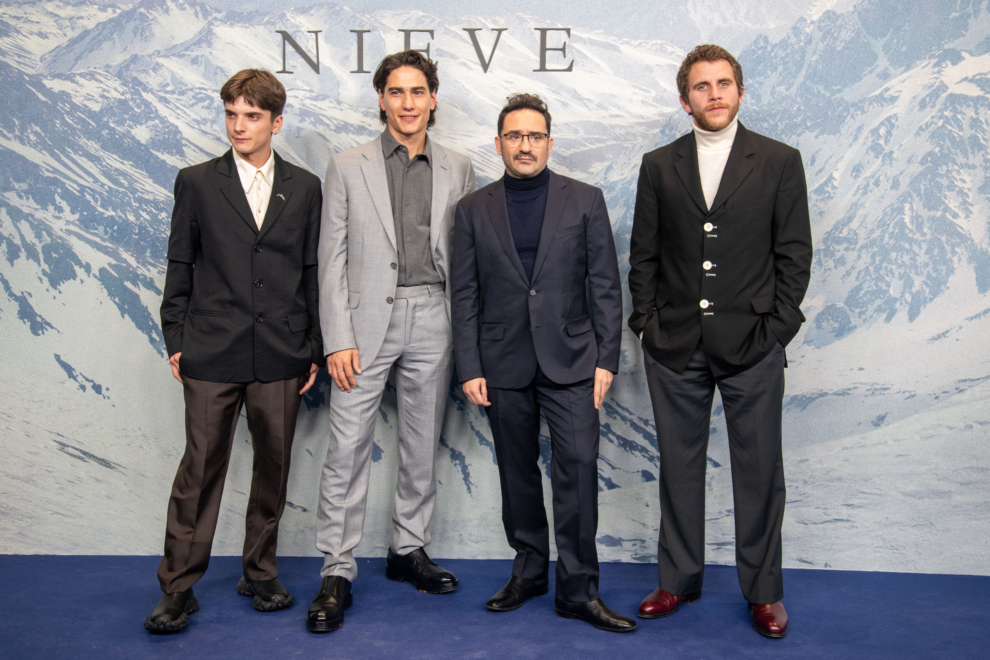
416 60
706 53
523 102
258 87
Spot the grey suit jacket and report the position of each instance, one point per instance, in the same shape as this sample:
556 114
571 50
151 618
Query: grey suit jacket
357 242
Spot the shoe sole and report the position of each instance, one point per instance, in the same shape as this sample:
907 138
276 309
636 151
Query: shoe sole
330 626
398 576
261 605
691 598
770 634
567 615
166 628
539 592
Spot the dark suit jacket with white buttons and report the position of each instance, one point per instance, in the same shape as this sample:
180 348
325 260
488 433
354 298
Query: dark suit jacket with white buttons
733 276
567 319
242 304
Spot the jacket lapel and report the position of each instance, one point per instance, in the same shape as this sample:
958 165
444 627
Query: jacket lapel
441 191
498 215
230 186
737 168
374 175
687 169
281 192
557 194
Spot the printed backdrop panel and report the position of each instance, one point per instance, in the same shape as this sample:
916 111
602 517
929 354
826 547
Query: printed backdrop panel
886 419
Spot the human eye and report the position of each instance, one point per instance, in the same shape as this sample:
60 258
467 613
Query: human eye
536 138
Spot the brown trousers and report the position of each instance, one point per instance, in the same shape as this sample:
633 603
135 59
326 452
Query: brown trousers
212 410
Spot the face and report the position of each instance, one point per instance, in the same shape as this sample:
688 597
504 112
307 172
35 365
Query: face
407 101
250 130
524 161
713 96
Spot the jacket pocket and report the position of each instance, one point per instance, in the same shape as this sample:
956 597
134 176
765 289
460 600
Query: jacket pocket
353 299
298 322
567 231
578 325
492 331
208 312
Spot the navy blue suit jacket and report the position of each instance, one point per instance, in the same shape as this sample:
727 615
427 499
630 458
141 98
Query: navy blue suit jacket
567 320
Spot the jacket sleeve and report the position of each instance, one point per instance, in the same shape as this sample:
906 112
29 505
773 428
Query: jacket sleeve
644 251
465 302
310 275
604 284
183 246
335 311
792 250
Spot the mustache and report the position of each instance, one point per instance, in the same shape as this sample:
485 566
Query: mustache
715 106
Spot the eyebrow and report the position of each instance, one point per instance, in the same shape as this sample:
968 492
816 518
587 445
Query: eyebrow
399 89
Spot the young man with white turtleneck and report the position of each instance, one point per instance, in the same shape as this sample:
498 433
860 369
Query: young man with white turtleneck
720 260
536 308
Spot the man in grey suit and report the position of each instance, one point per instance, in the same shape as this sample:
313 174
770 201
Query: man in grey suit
384 260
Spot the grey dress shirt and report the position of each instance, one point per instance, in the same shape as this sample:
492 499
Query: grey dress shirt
410 188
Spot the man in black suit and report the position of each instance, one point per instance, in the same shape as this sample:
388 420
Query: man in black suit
531 250
241 327
720 258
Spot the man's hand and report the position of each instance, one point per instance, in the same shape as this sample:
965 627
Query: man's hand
342 366
313 368
174 363
603 381
476 390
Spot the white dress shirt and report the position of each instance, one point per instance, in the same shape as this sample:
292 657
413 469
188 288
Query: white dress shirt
713 154
257 184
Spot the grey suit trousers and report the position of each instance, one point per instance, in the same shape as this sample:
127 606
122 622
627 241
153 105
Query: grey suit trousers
418 343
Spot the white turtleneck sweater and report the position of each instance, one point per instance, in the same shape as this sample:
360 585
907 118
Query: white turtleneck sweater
713 153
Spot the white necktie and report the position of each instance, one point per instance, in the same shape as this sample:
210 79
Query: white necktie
255 191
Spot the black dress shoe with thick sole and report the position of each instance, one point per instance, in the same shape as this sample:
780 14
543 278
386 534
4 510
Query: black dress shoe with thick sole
171 614
419 569
269 595
326 613
515 592
597 614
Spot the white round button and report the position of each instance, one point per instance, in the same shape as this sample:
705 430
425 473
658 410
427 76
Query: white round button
709 226
704 304
707 265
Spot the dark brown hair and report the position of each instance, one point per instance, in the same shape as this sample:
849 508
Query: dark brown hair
706 53
523 102
414 59
257 87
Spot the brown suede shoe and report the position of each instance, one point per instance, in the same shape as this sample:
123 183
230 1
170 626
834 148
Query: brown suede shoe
662 603
770 619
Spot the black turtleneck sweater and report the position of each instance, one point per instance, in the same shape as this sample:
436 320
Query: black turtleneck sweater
526 201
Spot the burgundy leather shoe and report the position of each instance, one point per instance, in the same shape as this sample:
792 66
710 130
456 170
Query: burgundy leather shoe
770 619
662 603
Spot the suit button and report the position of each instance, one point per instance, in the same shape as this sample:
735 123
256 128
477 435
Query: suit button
709 226
704 304
532 293
257 248
389 300
707 265
394 266
260 318
258 283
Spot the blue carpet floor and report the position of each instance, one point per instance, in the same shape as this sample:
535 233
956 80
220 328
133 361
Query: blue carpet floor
94 607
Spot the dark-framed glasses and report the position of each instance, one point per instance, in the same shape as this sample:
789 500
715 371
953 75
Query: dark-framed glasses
515 139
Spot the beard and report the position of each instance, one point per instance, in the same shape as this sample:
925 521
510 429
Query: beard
703 122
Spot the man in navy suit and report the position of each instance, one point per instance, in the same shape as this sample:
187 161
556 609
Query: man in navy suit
241 322
532 252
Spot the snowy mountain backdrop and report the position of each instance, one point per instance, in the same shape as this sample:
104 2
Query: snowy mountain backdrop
886 413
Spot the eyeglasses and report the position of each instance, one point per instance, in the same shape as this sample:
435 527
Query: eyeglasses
515 139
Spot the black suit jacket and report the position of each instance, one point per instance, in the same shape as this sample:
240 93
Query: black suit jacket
504 325
751 266
242 304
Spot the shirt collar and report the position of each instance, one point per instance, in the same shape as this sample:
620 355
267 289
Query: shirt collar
247 171
390 144
716 140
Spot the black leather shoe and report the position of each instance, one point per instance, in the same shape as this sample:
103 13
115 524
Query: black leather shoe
515 592
171 614
269 595
326 613
419 569
597 614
